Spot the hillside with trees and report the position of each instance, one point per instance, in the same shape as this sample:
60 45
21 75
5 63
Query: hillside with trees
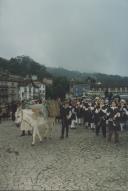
24 65
107 80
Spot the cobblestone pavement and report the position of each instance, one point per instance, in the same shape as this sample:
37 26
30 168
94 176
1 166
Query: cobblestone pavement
81 162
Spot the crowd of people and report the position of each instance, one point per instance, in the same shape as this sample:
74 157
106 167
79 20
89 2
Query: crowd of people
109 117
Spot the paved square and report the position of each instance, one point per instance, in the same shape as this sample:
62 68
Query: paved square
81 162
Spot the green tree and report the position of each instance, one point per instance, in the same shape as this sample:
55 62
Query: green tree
59 88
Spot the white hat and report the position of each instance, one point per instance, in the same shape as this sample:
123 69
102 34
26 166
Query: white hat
123 101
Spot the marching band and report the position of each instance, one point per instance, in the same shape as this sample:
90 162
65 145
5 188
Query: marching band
109 117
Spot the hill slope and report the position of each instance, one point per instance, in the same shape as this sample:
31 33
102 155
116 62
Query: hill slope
107 80
22 66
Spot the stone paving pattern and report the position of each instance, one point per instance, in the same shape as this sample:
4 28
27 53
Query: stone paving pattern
81 162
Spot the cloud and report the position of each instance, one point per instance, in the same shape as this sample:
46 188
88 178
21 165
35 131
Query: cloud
84 35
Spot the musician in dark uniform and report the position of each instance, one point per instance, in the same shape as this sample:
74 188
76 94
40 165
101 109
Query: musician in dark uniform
113 122
97 119
79 113
100 120
103 120
64 114
92 116
86 115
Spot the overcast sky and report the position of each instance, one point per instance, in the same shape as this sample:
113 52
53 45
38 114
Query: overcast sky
83 35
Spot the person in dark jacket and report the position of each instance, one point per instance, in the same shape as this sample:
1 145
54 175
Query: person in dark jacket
97 119
79 113
86 115
103 118
113 122
92 116
64 114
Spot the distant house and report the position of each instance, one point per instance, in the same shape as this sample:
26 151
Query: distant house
30 90
118 89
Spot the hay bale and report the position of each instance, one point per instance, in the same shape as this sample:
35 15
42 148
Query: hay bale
53 108
35 107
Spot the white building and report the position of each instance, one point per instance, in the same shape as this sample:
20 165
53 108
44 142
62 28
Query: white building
32 90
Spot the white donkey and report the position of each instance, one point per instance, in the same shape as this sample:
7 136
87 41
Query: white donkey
35 119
